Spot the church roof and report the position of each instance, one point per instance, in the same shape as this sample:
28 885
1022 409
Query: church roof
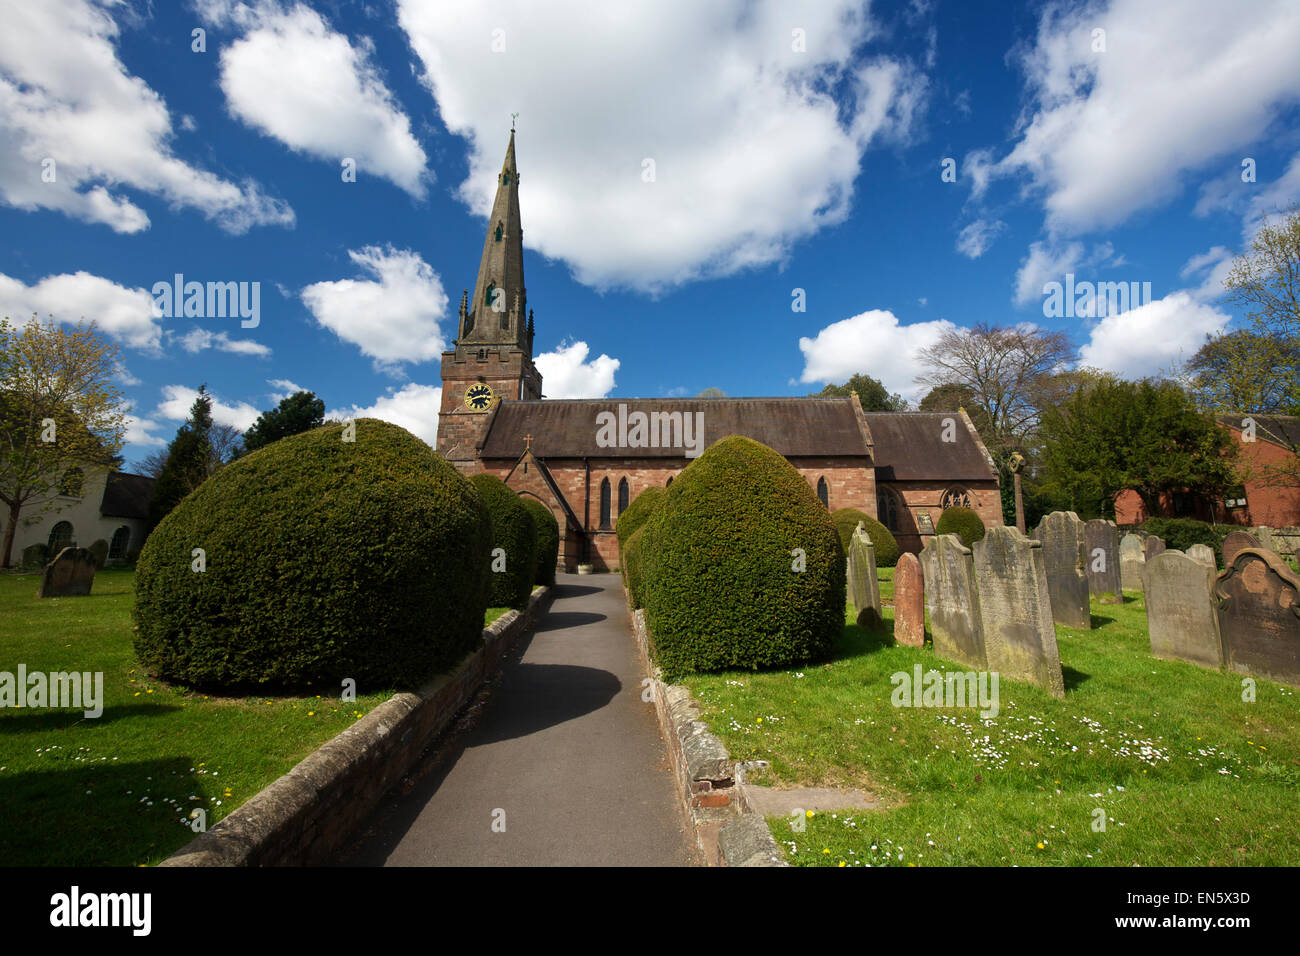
126 496
566 428
910 446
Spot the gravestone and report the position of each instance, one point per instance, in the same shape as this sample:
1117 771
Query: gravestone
1181 617
1264 535
1257 598
1131 559
1152 546
1204 554
1234 542
1061 535
1015 610
948 569
864 587
1101 551
70 574
909 601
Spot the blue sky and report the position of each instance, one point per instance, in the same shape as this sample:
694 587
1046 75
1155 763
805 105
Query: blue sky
794 146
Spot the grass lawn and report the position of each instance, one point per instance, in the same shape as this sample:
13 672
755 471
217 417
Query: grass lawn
1184 772
117 789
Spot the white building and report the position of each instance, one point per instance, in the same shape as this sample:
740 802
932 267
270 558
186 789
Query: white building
101 506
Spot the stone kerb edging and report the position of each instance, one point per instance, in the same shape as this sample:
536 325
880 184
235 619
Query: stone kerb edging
727 830
305 816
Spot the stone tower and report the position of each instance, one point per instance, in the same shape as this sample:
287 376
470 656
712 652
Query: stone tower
494 340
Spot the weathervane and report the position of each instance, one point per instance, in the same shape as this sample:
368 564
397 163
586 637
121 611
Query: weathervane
512 121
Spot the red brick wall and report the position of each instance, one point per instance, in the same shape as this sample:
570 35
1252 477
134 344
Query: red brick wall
915 497
1270 499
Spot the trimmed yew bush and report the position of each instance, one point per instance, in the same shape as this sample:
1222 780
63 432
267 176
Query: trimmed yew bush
740 565
515 533
632 575
637 514
846 520
548 540
963 522
322 559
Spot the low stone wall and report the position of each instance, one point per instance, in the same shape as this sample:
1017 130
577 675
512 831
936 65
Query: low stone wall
305 816
727 830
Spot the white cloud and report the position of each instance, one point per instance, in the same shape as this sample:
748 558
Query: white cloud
178 399
1044 263
66 97
199 338
1213 267
751 153
127 315
566 373
294 78
975 239
392 318
1152 338
139 431
874 343
1181 86
413 407
284 388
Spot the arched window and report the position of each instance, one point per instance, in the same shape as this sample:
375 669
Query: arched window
669 481
60 538
887 508
117 547
72 483
623 492
955 497
490 294
500 229
824 493
604 503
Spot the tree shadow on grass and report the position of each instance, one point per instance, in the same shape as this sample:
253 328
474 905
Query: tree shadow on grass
45 718
92 814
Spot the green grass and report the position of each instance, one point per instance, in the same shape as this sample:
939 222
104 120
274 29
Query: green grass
1185 772
115 790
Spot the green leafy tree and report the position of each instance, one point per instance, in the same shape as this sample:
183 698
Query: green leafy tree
302 411
188 459
1150 437
712 392
871 393
1245 372
60 409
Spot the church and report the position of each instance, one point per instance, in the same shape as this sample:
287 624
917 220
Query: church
902 467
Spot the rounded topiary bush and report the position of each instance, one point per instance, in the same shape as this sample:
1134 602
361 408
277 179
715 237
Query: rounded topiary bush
515 534
886 545
548 540
963 522
632 574
322 559
740 565
637 514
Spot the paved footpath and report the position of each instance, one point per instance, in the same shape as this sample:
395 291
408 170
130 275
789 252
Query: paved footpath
564 746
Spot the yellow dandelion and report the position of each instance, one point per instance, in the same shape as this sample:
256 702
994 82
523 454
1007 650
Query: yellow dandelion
810 814
827 852
1041 847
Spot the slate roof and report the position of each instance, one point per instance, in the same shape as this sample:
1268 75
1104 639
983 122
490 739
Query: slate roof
126 496
566 428
1278 429
910 447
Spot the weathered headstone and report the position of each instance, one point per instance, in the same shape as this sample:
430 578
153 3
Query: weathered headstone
70 574
1101 550
1152 546
1131 559
1258 603
864 587
1181 618
1061 534
909 601
1019 636
1234 542
1204 554
953 601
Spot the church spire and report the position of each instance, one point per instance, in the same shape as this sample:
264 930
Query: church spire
498 310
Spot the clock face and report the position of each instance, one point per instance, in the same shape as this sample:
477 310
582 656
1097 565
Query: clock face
478 397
